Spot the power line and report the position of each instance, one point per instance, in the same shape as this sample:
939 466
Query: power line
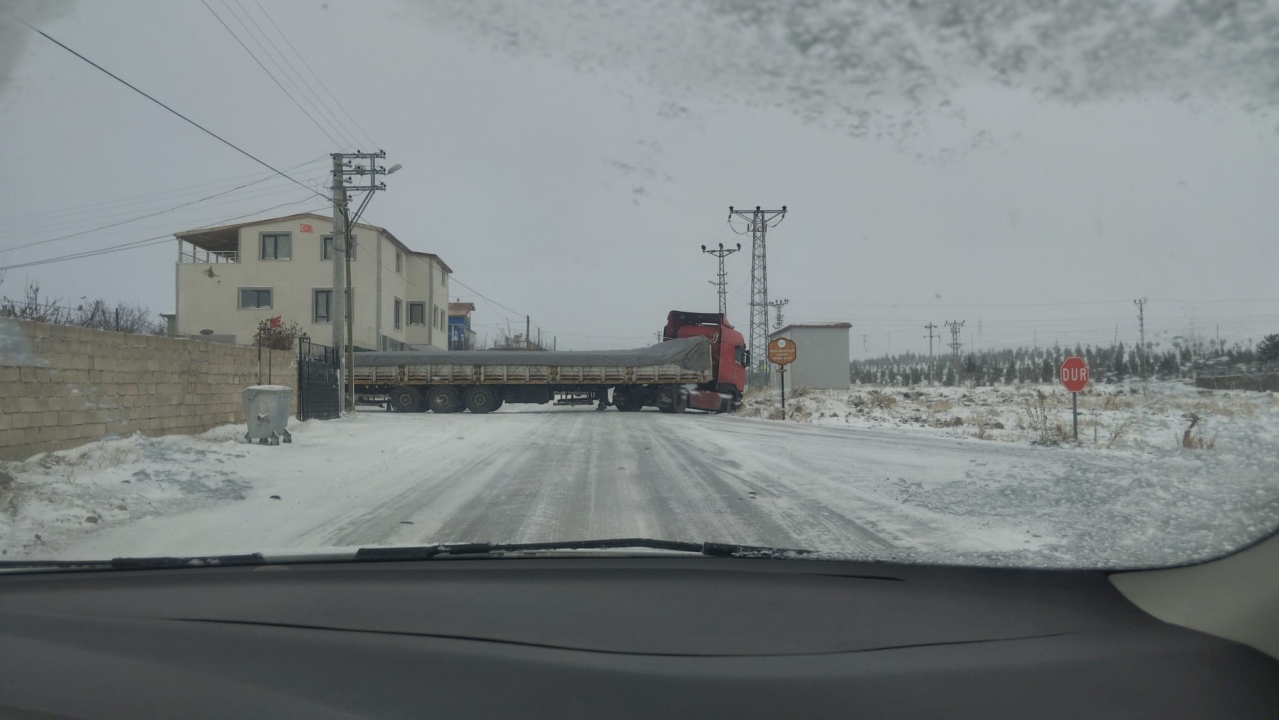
202 128
319 103
269 74
300 87
139 217
145 242
100 209
314 75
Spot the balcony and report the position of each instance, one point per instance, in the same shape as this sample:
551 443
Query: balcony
209 246
194 254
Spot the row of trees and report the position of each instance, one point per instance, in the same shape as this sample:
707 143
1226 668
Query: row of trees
97 314
1107 364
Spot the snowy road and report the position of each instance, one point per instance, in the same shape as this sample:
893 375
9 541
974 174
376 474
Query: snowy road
569 474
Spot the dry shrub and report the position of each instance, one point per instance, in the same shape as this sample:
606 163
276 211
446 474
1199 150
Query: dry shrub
1118 432
1196 442
940 406
883 401
1039 420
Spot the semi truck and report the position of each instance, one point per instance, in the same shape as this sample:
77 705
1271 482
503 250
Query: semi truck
700 364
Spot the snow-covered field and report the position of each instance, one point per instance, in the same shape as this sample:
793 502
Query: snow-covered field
1110 416
851 474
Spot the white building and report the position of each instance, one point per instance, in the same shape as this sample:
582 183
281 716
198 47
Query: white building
232 278
821 355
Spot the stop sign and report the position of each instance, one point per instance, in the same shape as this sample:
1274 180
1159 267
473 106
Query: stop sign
1073 374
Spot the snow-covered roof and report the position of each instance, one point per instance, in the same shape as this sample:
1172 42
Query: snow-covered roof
827 326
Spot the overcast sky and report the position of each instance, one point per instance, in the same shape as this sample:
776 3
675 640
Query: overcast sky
1027 170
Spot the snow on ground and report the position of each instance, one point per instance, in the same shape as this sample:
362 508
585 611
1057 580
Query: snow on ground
868 484
1110 416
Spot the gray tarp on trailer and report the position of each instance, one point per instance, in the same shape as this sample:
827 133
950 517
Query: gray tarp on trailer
687 353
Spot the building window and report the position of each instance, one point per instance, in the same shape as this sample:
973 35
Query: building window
326 246
277 246
254 298
399 262
417 313
398 311
322 306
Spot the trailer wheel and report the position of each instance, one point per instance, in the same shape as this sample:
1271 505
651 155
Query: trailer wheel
405 399
481 399
629 404
443 399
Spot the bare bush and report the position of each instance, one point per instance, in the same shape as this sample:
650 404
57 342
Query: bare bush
1039 420
1196 442
881 400
96 314
280 338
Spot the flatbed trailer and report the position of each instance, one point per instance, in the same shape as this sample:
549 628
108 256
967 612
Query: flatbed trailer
686 370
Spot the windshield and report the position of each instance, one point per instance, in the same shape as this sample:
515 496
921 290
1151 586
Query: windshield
962 282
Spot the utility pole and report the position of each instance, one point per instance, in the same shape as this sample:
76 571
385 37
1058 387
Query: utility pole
343 290
722 282
338 312
954 326
1141 349
930 327
527 325
778 305
865 343
758 221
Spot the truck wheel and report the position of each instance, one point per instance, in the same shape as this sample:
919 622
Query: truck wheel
405 399
681 401
481 399
443 399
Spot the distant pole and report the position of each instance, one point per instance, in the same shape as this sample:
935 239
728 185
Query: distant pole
722 281
528 324
930 327
778 305
954 326
1141 349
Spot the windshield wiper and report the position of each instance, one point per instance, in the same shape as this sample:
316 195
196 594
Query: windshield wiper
138 563
426 552
416 552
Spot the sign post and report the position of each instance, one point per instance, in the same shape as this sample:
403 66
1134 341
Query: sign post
1073 375
782 352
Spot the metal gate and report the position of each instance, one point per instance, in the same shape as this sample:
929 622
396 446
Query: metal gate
319 380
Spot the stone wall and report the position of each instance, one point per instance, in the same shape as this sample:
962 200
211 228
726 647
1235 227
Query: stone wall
64 386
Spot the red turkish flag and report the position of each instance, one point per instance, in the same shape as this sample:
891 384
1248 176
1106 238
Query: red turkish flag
305 227
274 322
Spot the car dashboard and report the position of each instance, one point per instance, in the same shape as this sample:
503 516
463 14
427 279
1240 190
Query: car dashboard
607 636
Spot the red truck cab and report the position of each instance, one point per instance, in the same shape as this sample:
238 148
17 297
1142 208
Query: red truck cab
728 358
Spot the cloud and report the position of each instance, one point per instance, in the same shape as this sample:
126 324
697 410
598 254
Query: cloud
14 36
891 69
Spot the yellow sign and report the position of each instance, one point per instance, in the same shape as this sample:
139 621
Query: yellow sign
781 351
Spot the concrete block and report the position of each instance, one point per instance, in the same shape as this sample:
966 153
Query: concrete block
6 423
33 404
10 374
120 427
96 430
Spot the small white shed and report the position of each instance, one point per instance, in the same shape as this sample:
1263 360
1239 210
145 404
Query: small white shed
821 355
